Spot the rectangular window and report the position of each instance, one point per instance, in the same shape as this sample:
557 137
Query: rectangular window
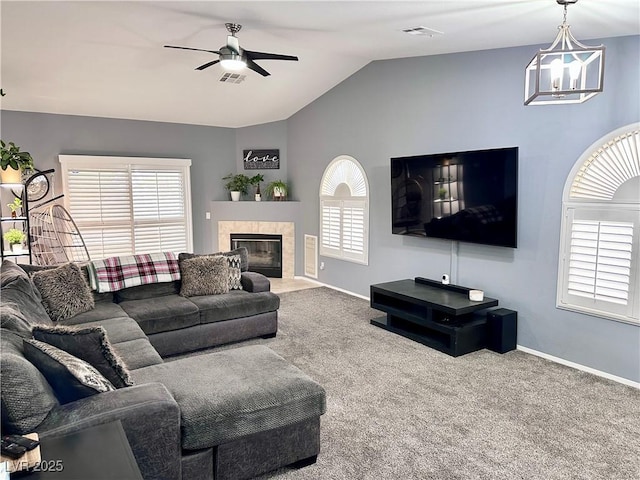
343 229
600 262
129 205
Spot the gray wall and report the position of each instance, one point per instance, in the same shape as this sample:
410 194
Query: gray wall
471 101
211 149
266 136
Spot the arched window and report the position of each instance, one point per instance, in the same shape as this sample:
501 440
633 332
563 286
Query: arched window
600 237
344 211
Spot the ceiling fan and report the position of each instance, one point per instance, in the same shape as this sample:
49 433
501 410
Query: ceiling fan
232 57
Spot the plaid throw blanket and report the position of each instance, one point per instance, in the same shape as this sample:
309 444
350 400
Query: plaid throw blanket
116 273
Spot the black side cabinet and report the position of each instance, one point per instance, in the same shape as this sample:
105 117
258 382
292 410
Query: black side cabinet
439 316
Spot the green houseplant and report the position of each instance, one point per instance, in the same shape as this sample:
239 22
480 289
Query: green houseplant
255 181
13 162
237 183
277 190
15 206
14 238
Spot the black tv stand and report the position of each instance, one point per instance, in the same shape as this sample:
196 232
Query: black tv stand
437 315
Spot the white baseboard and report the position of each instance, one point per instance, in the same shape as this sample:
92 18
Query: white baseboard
577 366
320 284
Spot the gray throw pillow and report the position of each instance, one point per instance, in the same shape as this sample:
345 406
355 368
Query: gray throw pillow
65 292
89 344
70 377
206 275
12 318
27 397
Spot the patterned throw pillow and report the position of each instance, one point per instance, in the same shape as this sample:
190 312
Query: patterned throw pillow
64 291
70 377
235 272
205 275
89 344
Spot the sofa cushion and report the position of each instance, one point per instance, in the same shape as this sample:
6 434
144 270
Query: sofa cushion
12 319
137 354
70 377
119 329
27 397
151 290
205 275
235 304
89 344
64 291
102 311
226 395
161 314
19 290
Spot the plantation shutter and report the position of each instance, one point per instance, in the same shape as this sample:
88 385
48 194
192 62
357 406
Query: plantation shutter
133 205
600 260
353 228
344 211
330 231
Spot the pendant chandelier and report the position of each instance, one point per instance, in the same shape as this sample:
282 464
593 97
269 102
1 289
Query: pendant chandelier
566 72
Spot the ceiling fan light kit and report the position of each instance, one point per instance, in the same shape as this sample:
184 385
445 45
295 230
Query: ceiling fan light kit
232 57
566 72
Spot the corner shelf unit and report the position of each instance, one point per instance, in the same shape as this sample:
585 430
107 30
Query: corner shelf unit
8 190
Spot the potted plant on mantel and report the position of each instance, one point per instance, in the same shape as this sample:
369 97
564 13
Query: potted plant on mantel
14 238
277 190
13 162
255 181
237 184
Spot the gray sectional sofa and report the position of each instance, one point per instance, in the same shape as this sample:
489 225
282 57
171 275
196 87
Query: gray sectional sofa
231 414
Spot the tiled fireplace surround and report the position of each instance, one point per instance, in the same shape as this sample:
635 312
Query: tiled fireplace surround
273 218
286 229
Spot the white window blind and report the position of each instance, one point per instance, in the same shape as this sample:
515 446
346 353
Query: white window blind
600 260
126 205
344 211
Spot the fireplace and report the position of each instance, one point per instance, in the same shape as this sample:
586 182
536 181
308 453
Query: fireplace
265 252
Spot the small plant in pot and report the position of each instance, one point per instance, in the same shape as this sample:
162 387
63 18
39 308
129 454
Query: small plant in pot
277 190
14 238
13 162
442 193
237 184
255 181
15 206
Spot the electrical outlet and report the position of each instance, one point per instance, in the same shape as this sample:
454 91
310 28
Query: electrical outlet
321 265
207 215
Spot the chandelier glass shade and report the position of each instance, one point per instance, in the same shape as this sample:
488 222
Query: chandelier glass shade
566 72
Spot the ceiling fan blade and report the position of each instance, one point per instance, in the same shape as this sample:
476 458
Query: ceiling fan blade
207 65
268 56
257 68
196 49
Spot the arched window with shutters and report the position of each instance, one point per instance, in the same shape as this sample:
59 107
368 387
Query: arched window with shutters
600 237
344 211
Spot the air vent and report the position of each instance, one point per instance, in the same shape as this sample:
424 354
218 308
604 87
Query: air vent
232 78
311 256
430 32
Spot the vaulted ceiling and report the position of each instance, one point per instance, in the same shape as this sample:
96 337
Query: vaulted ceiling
107 59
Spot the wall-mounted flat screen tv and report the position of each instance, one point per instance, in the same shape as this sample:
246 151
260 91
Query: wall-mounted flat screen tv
466 196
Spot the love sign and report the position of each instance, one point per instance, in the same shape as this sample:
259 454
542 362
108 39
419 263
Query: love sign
261 159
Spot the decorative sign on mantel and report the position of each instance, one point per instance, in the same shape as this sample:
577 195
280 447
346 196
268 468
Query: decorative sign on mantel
261 159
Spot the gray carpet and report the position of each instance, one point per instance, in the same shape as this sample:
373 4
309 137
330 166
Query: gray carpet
399 410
